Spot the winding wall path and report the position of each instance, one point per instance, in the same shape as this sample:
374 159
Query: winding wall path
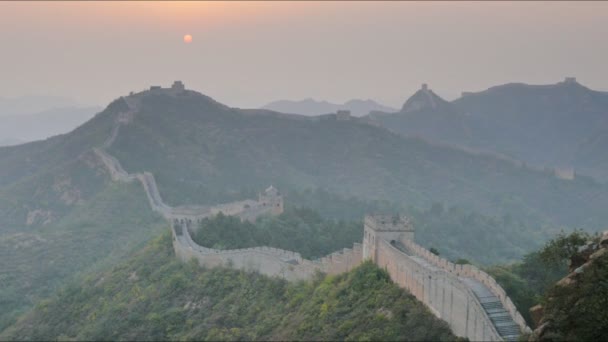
471 301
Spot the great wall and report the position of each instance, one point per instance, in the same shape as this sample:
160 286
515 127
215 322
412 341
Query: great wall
473 304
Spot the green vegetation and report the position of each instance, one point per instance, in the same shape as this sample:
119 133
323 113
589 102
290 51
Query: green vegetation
579 312
530 281
573 310
25 162
222 151
298 230
334 206
152 296
329 226
455 232
97 233
483 239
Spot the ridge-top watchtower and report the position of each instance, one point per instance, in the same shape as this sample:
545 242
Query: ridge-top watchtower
390 228
271 197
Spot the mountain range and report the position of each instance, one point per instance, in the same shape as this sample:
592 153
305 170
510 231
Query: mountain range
313 107
62 215
562 126
29 104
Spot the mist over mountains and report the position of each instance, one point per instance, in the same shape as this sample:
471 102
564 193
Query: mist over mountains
33 104
557 126
313 107
30 118
41 125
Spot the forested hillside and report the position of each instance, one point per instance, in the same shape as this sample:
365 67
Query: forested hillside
299 230
454 232
98 233
201 151
571 307
153 296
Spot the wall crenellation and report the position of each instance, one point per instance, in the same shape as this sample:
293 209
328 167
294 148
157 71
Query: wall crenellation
263 259
475 273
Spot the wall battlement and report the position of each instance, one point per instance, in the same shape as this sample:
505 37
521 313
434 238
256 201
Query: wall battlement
470 271
265 260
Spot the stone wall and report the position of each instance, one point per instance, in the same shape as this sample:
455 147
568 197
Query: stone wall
471 272
269 261
442 292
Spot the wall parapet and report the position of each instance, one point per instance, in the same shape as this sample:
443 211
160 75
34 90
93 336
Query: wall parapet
263 259
471 271
421 282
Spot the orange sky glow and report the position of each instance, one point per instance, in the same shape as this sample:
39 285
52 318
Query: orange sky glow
248 53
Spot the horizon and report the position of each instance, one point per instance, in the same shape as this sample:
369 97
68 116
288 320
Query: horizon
71 102
249 54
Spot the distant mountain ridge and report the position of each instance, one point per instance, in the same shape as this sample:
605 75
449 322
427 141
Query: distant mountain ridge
425 114
41 125
310 106
30 104
556 125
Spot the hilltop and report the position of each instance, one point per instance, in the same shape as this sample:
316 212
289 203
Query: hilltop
425 114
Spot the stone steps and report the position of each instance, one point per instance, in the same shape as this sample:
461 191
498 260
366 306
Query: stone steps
501 319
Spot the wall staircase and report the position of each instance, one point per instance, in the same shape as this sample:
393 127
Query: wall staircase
504 324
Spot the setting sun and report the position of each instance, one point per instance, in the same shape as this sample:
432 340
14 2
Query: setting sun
187 39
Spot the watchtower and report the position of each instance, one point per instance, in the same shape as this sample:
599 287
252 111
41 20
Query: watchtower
178 86
271 197
391 228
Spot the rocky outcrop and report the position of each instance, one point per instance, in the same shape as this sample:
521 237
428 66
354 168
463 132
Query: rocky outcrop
581 263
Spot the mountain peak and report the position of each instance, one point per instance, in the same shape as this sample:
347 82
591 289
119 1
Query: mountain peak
177 88
424 98
177 91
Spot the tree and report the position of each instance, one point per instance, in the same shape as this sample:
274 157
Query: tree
564 247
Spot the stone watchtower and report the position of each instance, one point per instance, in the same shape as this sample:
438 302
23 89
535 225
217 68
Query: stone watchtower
272 198
178 86
391 228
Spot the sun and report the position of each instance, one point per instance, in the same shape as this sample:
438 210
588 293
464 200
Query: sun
187 39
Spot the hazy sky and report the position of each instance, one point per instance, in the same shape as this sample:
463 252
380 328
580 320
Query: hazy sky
247 54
